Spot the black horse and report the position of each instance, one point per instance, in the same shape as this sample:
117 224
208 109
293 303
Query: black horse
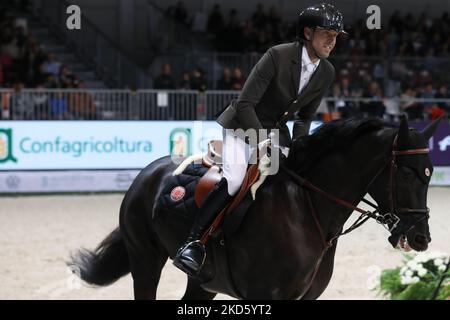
286 242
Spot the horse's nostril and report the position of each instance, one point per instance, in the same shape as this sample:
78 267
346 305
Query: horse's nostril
420 239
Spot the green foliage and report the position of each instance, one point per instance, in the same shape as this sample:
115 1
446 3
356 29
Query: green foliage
390 285
417 279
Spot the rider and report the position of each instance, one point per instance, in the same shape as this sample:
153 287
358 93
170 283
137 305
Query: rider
290 78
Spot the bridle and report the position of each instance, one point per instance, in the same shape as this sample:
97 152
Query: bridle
395 209
390 219
387 219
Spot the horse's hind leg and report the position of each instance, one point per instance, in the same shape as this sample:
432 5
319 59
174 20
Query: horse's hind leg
146 254
195 292
146 267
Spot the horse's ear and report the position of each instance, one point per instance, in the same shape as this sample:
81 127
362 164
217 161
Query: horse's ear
403 131
431 128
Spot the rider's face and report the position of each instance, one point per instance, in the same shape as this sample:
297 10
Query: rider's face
323 41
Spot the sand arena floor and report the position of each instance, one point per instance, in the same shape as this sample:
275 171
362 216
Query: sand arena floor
38 233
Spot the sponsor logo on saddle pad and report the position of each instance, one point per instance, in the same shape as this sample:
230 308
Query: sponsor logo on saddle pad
177 193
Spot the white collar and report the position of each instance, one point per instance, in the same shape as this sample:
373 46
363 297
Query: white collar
306 61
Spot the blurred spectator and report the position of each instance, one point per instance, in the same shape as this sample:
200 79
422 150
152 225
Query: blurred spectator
198 81
225 83
248 37
345 108
185 83
274 20
422 78
5 107
409 104
82 104
165 80
7 65
378 72
237 80
338 104
428 93
259 18
375 107
232 33
65 77
23 103
51 66
216 22
430 62
179 12
50 82
40 104
58 107
435 111
443 93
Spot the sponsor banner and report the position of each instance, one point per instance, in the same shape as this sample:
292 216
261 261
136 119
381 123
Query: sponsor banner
66 181
78 145
439 143
105 181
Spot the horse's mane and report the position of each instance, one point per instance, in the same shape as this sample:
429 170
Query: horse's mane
306 151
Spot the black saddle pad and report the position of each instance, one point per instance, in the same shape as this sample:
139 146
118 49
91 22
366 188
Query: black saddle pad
178 192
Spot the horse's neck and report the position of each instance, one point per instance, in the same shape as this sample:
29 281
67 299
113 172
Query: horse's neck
347 176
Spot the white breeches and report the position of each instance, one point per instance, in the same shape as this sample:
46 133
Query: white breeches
235 157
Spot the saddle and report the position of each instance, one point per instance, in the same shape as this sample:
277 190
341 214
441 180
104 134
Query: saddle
212 163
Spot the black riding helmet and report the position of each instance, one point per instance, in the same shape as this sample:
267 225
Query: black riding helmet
322 15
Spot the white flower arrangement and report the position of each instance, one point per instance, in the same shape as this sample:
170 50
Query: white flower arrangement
421 277
418 267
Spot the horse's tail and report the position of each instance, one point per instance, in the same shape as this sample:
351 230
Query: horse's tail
104 265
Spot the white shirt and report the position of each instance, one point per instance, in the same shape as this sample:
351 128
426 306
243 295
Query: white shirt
308 68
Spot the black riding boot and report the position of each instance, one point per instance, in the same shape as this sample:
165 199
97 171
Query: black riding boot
191 256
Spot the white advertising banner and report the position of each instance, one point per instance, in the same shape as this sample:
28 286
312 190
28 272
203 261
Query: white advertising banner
71 145
77 145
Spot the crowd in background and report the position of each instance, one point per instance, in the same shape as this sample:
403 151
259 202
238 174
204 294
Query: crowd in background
403 35
391 67
24 63
231 79
406 59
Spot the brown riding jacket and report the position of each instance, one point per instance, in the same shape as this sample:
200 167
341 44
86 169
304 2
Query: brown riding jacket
270 94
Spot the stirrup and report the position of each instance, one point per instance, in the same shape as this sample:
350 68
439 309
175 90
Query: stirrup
188 264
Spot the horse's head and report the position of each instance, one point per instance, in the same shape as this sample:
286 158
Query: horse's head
401 189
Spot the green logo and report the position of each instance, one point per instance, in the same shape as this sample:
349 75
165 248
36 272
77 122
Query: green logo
6 152
180 142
